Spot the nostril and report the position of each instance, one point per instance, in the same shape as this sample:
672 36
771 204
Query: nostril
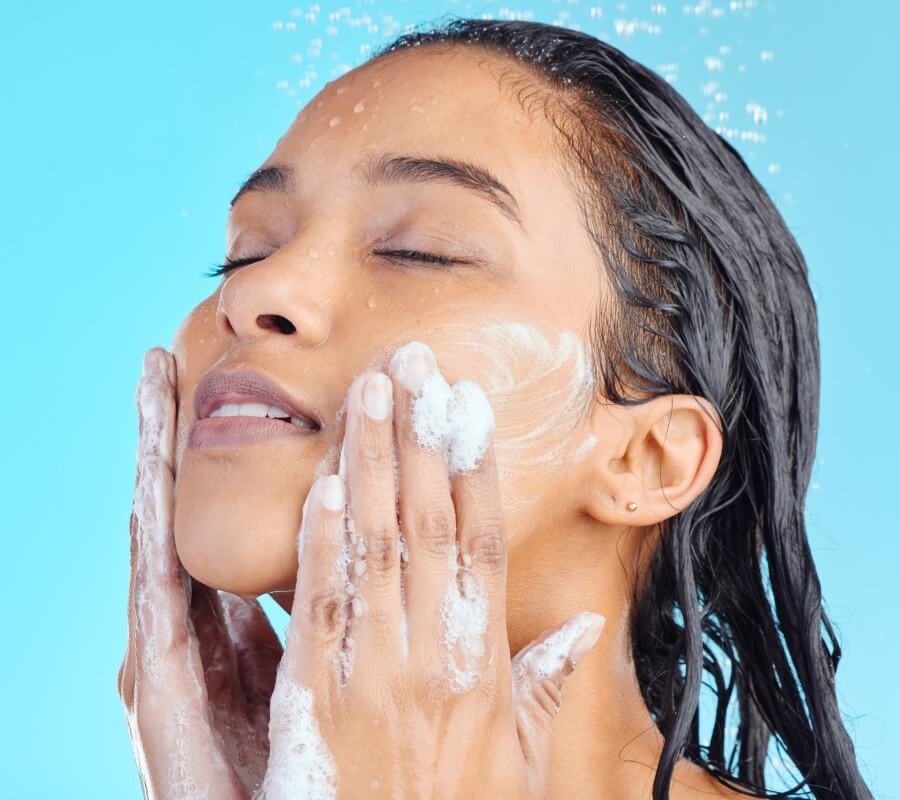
270 321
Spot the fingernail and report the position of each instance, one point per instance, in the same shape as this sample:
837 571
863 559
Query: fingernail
155 361
376 399
588 638
412 365
331 493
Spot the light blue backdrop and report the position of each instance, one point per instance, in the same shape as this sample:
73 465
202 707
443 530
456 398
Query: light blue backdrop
126 129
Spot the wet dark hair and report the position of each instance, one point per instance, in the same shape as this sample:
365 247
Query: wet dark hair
712 299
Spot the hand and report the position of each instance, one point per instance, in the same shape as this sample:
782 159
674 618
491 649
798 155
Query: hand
446 715
199 667
396 679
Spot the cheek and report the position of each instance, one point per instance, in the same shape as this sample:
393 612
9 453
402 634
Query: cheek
196 347
539 385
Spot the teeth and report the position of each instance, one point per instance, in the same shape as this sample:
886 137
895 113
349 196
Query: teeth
258 410
253 410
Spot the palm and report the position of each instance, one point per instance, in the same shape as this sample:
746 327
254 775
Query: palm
240 654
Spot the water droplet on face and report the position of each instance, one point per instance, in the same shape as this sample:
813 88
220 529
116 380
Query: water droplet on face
358 107
334 121
329 251
341 89
371 302
365 126
312 253
376 83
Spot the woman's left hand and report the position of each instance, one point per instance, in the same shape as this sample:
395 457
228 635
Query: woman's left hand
396 679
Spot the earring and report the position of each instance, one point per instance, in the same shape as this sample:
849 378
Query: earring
631 506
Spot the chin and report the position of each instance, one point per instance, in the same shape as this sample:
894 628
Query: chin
233 535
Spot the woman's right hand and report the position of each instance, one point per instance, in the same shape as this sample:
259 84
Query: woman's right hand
200 665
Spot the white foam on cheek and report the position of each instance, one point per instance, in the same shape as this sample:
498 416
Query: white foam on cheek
430 421
464 615
300 763
457 420
471 423
538 389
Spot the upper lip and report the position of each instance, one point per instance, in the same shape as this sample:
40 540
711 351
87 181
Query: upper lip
244 386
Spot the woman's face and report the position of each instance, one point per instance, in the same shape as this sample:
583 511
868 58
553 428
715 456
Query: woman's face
359 175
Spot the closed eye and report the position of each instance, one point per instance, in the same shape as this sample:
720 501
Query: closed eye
394 255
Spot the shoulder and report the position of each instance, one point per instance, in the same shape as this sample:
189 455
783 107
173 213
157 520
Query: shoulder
692 782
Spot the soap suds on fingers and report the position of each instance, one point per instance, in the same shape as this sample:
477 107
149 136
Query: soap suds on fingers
456 420
549 656
464 616
300 763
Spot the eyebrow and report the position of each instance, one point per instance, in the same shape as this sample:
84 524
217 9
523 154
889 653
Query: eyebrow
396 169
277 178
389 168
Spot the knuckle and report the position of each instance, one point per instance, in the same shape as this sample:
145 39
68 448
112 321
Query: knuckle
547 697
435 528
376 446
381 622
488 545
381 549
327 613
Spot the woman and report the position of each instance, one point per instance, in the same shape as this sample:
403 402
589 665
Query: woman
582 362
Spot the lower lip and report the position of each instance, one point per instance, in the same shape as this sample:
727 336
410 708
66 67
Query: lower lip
234 431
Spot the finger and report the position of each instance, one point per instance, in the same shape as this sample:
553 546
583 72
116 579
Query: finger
220 668
427 517
368 460
160 593
539 671
479 509
169 723
315 638
126 670
256 645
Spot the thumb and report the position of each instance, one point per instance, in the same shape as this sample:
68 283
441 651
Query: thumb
538 672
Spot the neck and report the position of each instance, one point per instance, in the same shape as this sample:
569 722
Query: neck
606 744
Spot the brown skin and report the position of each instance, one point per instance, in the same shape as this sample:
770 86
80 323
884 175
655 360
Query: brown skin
573 546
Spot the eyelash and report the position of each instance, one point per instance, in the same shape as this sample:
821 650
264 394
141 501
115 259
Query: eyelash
398 255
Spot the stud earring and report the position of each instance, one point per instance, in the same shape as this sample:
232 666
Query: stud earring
632 506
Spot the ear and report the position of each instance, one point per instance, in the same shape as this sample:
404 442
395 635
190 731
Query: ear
658 455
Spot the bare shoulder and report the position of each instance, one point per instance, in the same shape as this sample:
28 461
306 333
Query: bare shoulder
692 782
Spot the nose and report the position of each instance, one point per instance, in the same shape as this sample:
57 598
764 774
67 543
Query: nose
269 298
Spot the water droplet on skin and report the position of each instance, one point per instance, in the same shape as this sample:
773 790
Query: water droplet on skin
374 786
376 83
371 303
365 125
341 89
334 121
319 104
329 251
358 107
312 252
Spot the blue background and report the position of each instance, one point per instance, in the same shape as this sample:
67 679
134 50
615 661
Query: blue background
128 127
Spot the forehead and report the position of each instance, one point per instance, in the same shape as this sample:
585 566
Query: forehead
434 101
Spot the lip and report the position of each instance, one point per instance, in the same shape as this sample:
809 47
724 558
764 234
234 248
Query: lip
244 386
